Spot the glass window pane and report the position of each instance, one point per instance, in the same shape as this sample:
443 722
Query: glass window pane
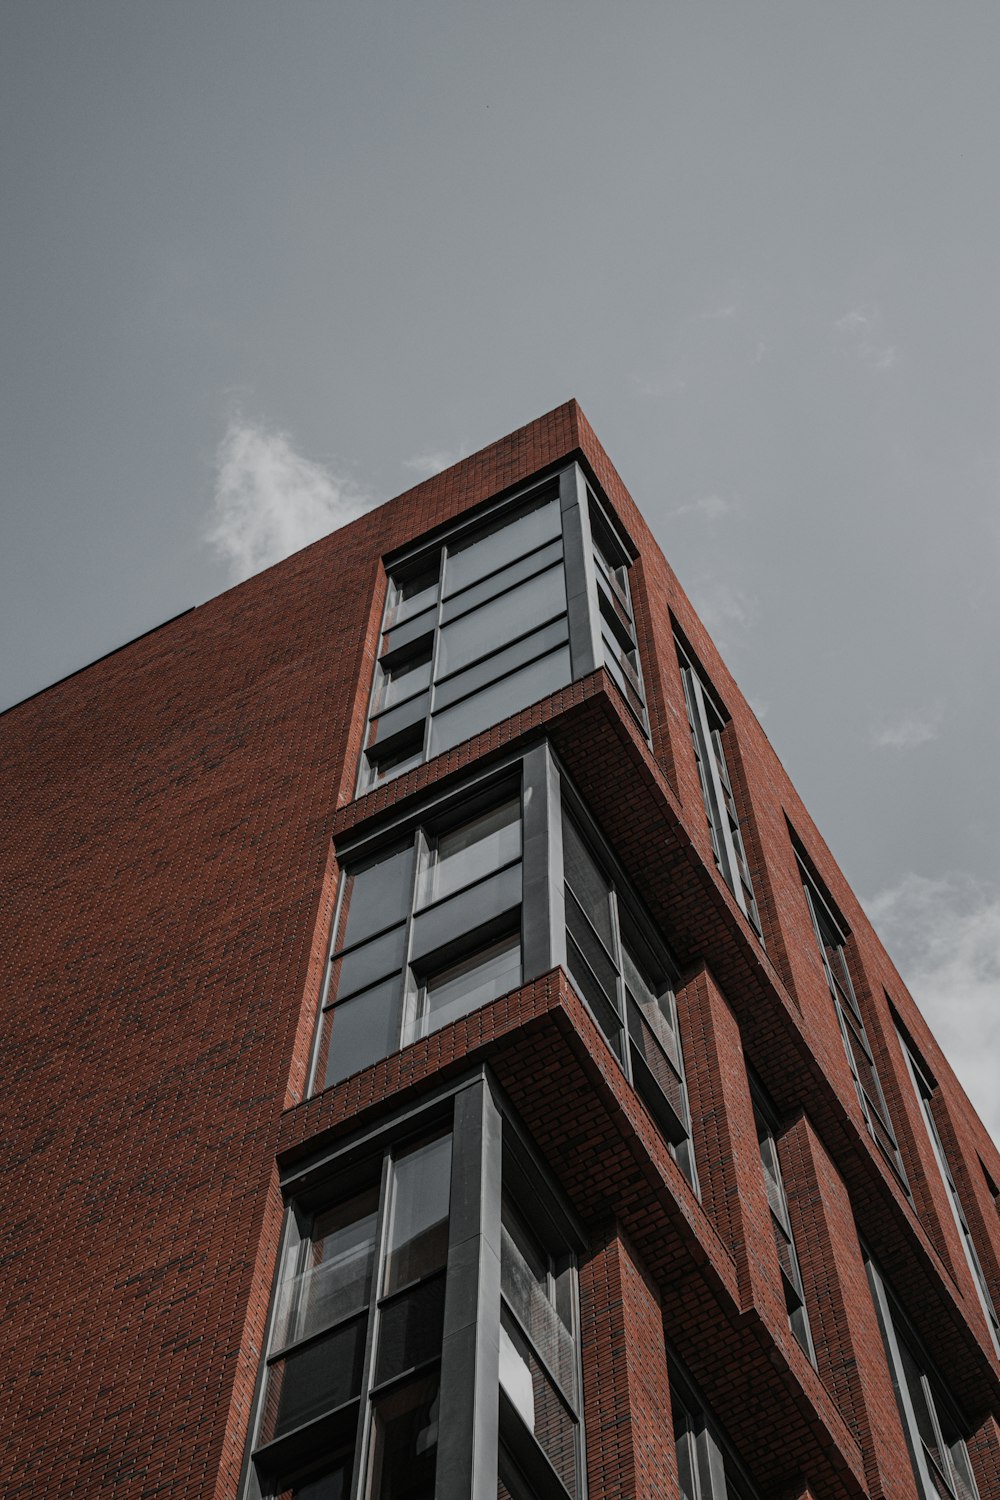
501 663
402 681
499 583
504 619
604 1011
335 1281
315 1379
361 1031
376 896
410 1328
467 853
501 700
418 1236
404 1442
404 637
362 966
411 595
537 1401
465 986
383 767
590 887
529 1292
328 1481
506 540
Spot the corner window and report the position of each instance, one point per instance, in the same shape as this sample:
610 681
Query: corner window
707 725
504 611
352 1366
934 1430
781 1226
622 972
831 937
924 1088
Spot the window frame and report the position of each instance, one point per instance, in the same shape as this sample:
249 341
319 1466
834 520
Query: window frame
896 1328
717 1471
851 1021
582 514
725 827
925 1087
767 1120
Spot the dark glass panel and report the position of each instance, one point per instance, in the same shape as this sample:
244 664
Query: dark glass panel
499 583
330 1481
588 883
410 636
504 619
418 1235
396 721
410 1328
501 700
404 1442
314 1379
474 981
362 966
506 539
335 1281
401 682
394 762
593 950
536 1399
376 896
363 1030
409 596
500 664
604 1013
467 853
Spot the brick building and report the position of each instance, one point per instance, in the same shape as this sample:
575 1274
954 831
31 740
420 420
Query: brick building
443 1058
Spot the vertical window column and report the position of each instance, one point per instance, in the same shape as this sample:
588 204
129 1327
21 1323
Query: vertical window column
784 1240
924 1089
831 940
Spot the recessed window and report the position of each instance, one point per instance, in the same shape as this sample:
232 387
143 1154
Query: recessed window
781 1225
925 1089
831 937
708 726
934 1428
626 979
707 1468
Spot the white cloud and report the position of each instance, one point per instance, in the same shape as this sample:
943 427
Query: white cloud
435 461
862 329
906 734
944 936
269 501
710 508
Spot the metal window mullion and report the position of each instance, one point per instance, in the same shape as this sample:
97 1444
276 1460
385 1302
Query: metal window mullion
371 1338
325 990
435 652
718 814
585 649
412 991
543 898
912 1429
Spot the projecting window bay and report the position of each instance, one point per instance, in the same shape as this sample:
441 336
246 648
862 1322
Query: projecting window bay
434 925
491 620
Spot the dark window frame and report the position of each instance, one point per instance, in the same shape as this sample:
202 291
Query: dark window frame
719 1474
832 933
768 1129
584 566
708 722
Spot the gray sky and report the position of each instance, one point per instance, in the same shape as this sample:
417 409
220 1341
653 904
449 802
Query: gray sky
265 264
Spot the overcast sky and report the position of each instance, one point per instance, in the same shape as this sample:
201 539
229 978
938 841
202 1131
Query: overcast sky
267 264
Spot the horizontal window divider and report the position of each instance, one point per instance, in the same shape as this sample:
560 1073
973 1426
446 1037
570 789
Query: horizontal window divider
317 1336
496 572
380 932
495 651
461 890
399 1292
506 923
303 1440
423 1368
528 1453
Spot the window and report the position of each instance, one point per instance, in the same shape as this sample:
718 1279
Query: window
924 1086
706 1467
426 931
503 612
831 937
788 1260
430 925
932 1425
623 973
540 1408
352 1367
707 724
